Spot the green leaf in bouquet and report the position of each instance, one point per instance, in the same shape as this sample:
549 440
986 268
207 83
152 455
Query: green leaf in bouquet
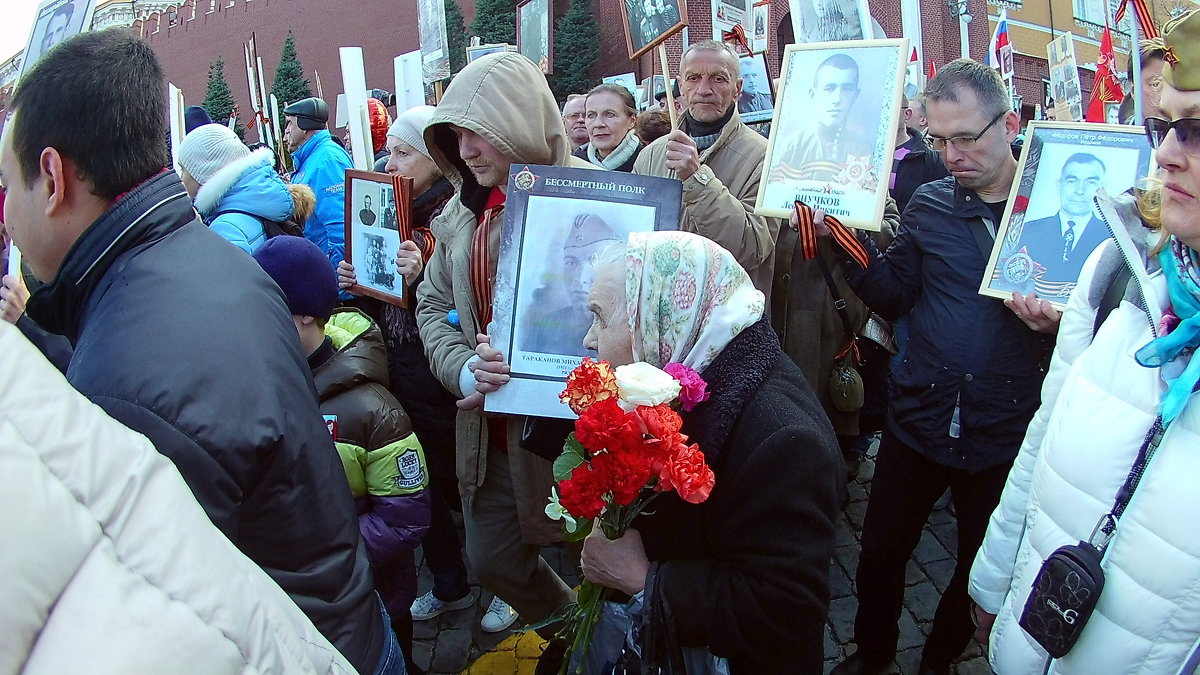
567 615
583 527
571 457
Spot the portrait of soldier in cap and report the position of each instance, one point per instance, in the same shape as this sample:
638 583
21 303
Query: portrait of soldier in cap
558 318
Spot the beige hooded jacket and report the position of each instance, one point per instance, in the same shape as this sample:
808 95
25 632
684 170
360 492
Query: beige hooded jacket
505 99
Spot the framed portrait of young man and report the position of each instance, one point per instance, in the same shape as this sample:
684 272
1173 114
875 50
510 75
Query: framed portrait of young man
378 219
649 22
757 100
830 20
557 221
55 21
1051 223
834 129
534 35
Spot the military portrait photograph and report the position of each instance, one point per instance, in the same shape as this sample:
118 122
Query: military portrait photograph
1052 224
649 22
376 223
838 105
557 221
756 103
830 20
56 21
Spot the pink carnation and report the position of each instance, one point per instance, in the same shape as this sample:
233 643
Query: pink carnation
693 388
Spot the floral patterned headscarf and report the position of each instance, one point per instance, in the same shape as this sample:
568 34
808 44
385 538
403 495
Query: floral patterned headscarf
687 298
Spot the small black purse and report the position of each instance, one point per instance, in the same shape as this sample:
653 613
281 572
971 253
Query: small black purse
1068 585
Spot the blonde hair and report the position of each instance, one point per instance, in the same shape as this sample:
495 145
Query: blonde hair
1149 204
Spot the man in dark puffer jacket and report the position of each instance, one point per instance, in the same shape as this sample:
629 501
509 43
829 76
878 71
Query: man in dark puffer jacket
177 333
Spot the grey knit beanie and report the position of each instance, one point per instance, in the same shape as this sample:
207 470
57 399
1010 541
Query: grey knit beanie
409 127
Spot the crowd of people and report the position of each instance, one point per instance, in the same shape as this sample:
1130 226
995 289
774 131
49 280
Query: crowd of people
295 442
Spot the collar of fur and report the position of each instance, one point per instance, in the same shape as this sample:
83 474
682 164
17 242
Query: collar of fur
209 195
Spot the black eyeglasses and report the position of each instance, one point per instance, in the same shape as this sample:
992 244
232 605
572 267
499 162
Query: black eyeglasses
1187 132
963 142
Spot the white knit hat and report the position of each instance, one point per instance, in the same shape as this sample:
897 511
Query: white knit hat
208 149
409 127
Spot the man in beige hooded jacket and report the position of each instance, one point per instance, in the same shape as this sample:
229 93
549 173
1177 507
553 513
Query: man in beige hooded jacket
497 112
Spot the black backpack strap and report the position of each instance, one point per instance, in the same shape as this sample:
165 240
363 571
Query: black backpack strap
271 228
1113 294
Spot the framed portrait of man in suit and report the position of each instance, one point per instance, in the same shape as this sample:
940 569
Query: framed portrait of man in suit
1051 222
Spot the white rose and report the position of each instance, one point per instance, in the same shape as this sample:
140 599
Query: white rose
643 384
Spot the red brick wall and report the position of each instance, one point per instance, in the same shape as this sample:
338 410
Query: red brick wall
384 29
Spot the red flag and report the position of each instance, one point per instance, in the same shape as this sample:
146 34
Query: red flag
1106 88
1144 18
932 70
913 57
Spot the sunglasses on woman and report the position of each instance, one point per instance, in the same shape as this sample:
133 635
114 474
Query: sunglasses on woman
1187 132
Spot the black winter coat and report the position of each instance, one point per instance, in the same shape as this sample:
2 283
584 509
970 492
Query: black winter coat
965 349
921 165
181 336
746 573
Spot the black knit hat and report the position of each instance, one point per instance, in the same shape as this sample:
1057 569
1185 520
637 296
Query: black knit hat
303 272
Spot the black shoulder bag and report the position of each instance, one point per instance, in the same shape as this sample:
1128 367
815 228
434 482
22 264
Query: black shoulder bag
1069 584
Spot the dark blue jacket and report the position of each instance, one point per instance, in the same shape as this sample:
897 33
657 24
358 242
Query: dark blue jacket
965 348
212 373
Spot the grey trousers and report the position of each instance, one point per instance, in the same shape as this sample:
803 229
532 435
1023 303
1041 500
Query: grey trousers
505 564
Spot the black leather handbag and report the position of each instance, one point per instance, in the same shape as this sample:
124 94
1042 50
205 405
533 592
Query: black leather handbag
1069 584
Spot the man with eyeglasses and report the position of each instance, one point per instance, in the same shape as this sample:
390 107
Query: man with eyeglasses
969 383
1061 242
574 120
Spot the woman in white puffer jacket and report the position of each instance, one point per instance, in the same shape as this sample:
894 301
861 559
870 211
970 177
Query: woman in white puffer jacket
1105 389
107 562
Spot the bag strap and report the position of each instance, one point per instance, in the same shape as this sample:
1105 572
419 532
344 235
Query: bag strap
1107 525
844 238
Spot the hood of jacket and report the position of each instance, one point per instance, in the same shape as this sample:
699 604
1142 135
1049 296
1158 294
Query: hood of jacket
526 128
251 185
360 359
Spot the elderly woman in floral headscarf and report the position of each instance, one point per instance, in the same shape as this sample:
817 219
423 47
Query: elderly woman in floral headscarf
743 575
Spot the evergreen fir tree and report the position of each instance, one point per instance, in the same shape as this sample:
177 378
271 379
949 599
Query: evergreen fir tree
456 36
576 50
218 100
290 85
495 21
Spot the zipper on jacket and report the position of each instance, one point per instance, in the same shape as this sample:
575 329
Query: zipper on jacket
1133 276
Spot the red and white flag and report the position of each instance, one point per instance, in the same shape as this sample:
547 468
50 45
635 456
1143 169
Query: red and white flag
1000 49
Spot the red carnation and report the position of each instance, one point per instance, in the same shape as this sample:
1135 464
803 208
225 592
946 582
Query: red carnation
605 426
689 475
582 495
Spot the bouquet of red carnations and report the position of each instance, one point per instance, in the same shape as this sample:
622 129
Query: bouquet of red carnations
626 450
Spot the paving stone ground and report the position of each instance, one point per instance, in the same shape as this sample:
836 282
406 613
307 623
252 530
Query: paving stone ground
453 642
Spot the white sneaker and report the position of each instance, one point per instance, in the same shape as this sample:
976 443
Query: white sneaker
428 606
498 616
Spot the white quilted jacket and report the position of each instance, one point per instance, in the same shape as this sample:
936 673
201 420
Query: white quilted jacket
108 564
1097 406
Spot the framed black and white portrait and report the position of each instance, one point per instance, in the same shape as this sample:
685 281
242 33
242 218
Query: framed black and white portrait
834 130
556 222
56 20
534 34
1051 224
757 100
483 50
830 20
649 22
377 220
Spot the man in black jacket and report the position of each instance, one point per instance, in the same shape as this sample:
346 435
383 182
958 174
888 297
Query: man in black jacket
914 162
969 383
176 333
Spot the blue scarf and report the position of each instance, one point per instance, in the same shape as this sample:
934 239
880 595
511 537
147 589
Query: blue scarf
1179 265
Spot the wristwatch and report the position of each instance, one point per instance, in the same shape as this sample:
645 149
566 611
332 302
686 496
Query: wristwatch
703 174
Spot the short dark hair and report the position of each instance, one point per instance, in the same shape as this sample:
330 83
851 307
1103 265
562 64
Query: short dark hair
66 9
984 81
97 98
839 61
1082 158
